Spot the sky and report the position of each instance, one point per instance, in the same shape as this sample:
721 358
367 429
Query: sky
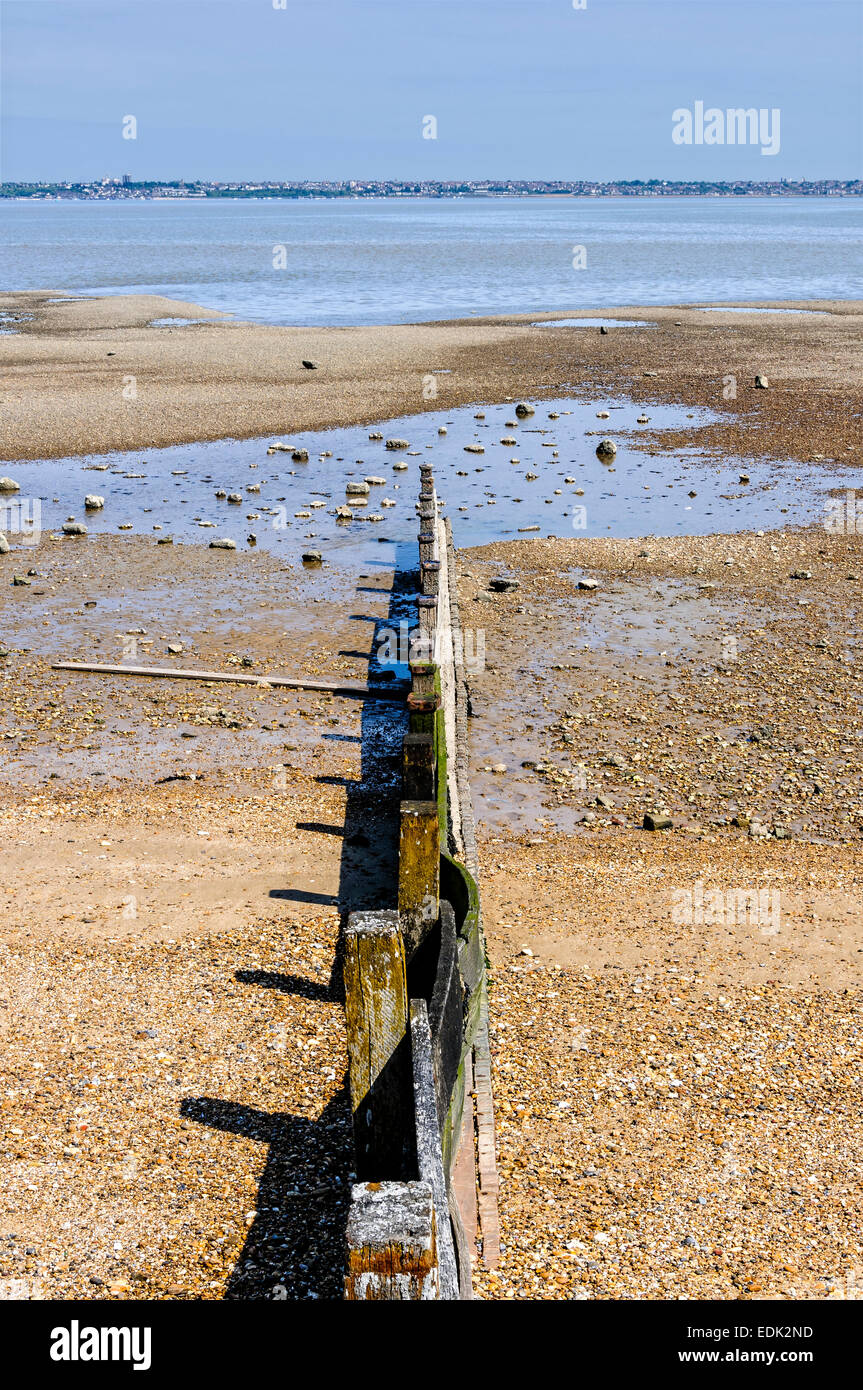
340 89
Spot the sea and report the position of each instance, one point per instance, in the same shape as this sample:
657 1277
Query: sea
404 260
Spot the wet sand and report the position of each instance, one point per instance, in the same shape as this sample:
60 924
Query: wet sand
675 1013
67 368
173 1113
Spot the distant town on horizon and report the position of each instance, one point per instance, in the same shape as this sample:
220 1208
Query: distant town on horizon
125 187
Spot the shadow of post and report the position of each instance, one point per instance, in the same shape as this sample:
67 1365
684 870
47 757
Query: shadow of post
295 1245
368 870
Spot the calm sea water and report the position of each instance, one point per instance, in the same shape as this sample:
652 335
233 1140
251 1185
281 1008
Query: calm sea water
404 260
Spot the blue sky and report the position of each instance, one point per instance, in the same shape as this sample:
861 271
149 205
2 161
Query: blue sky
339 88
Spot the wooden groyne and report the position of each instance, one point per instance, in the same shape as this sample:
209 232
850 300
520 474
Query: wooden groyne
415 992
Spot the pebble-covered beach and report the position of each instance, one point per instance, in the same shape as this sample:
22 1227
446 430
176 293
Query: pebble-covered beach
666 739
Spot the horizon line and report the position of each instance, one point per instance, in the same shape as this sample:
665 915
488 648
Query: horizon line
183 180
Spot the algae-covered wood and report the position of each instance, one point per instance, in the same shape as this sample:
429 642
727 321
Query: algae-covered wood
376 1017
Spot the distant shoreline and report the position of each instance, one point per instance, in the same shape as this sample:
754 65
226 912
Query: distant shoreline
152 190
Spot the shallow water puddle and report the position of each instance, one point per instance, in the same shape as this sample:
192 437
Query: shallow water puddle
756 309
533 476
594 323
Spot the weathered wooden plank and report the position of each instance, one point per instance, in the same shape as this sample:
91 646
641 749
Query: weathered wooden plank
418 767
391 1241
423 675
430 577
376 1017
428 1145
426 541
348 692
427 614
419 871
446 1013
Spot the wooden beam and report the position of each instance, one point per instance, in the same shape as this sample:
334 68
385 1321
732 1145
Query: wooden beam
348 692
376 1019
419 871
428 1142
419 764
391 1242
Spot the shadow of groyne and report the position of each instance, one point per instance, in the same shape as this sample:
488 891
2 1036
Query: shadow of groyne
294 1249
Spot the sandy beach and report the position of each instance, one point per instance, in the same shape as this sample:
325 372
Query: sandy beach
676 1084
677 1099
69 364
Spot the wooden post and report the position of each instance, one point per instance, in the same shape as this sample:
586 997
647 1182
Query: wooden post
376 1016
418 767
426 539
419 871
421 713
423 677
430 577
391 1243
427 606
